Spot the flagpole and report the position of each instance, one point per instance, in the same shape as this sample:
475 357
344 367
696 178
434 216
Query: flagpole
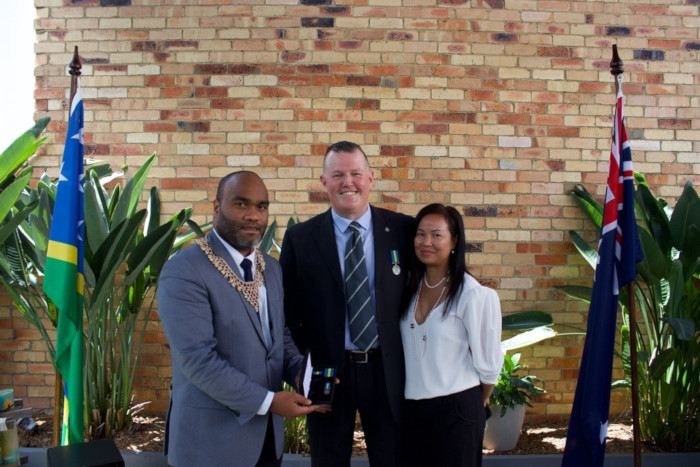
75 67
617 69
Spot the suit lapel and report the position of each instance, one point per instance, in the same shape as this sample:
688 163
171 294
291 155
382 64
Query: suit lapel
221 251
324 238
383 239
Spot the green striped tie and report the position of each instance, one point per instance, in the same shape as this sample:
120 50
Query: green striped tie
363 326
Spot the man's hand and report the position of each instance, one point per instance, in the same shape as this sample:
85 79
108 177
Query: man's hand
290 404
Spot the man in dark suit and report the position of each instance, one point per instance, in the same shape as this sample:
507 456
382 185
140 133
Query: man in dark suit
322 317
220 303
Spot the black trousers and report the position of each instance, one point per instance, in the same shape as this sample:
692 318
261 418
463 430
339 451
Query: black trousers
447 431
268 456
362 388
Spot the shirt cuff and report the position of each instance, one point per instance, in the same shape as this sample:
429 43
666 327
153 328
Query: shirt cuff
265 406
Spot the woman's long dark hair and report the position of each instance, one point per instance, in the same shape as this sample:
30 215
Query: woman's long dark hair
457 265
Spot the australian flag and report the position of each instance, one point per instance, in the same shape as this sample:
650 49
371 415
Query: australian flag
619 251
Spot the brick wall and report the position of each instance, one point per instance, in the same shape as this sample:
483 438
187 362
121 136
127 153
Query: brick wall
496 107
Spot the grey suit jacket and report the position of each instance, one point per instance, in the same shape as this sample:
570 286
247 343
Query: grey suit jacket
222 368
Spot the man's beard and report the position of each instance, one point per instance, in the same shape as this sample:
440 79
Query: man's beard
232 232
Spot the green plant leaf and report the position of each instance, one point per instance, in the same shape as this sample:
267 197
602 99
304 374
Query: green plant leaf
654 216
588 253
268 238
588 204
132 192
676 301
661 362
526 320
9 195
683 327
655 265
158 244
528 338
96 217
686 214
21 149
579 292
153 218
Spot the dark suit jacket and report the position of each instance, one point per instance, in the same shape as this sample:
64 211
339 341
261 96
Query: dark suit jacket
222 368
314 290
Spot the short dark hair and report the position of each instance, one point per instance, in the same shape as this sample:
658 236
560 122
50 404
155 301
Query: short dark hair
457 264
343 146
226 178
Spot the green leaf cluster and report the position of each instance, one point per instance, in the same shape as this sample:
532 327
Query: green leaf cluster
125 249
512 388
667 297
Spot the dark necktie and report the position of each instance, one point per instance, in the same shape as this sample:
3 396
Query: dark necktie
247 266
363 327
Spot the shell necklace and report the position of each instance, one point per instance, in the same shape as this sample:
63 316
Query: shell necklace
414 324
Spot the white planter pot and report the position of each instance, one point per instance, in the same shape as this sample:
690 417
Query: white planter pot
502 433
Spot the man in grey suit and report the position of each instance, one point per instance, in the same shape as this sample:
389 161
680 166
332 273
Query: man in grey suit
220 303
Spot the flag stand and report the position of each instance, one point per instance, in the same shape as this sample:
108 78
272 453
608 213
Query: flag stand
75 67
617 69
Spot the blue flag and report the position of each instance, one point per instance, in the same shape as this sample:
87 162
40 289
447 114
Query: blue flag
619 251
63 275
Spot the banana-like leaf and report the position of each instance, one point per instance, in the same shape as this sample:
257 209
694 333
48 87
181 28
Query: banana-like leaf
268 238
683 327
21 149
654 216
676 302
153 217
655 264
9 195
15 220
588 253
526 320
155 245
661 362
132 192
110 255
96 220
690 257
686 214
580 292
588 204
526 338
620 384
194 231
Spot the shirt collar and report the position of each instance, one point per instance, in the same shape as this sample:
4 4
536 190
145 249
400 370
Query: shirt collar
342 224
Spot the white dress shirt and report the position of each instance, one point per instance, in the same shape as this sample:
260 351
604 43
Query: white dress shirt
460 350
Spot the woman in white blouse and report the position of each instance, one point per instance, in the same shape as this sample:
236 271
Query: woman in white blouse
451 332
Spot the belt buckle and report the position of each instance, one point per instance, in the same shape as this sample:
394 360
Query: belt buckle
359 357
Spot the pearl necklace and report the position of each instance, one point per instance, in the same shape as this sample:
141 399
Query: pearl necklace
414 324
425 281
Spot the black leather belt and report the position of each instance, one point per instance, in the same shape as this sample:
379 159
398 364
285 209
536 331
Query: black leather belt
355 356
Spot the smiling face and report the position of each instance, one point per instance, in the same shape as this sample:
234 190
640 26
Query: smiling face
240 215
347 180
434 241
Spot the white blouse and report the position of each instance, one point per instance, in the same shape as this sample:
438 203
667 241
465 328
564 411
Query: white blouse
446 355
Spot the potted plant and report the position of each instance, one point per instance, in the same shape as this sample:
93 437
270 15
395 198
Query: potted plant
508 400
